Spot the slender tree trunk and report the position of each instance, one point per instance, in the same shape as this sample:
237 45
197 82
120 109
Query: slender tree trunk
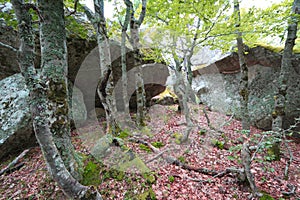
244 94
286 70
123 61
41 108
181 91
106 85
135 42
243 87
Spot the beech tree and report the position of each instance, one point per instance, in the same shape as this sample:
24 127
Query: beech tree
179 29
106 85
134 40
49 93
244 95
285 71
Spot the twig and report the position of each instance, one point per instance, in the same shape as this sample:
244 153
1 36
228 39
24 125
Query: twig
12 164
157 156
291 192
9 47
257 148
75 9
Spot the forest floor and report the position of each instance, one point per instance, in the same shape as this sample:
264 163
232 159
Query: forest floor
209 149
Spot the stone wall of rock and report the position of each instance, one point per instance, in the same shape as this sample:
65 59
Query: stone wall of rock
78 49
16 132
217 86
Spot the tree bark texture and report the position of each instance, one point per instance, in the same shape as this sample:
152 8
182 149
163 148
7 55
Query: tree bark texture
40 87
135 24
243 87
106 86
285 71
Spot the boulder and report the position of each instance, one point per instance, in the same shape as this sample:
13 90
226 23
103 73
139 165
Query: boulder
217 86
155 76
78 49
16 131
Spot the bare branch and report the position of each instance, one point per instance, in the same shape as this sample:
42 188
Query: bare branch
14 162
28 6
75 9
143 12
9 47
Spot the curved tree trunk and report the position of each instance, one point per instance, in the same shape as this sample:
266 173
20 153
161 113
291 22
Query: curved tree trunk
54 67
41 89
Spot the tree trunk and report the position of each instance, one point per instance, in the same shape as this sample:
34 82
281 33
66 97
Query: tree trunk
243 87
41 90
123 62
105 86
244 94
285 71
135 42
181 90
54 69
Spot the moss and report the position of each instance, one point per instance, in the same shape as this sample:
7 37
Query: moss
279 49
147 195
181 159
91 174
266 197
145 148
158 144
202 132
217 143
171 179
124 134
149 177
177 137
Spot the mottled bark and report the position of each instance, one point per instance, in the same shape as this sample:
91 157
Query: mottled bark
135 42
41 107
123 62
243 87
106 86
244 93
55 69
286 69
181 90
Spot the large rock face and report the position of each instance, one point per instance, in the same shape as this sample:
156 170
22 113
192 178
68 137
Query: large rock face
78 49
217 86
88 76
16 132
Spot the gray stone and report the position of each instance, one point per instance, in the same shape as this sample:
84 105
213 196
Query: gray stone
16 131
78 49
217 86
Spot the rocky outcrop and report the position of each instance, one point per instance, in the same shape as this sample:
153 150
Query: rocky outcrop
217 86
16 132
78 49
83 65
155 77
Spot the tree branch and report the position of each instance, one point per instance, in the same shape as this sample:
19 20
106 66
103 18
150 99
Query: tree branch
14 162
8 46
